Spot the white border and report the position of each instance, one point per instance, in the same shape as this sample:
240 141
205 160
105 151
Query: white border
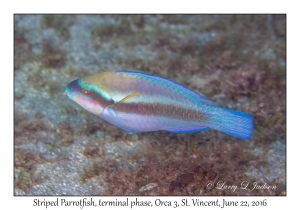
8 8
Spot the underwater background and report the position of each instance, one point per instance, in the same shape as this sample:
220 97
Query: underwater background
237 61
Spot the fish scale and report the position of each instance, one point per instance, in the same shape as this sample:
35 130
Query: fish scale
138 102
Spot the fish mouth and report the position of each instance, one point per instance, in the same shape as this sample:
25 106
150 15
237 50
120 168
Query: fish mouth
68 94
72 88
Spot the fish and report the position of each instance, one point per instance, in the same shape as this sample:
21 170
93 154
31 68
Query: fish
140 102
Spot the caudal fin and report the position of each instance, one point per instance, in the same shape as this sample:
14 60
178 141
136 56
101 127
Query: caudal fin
234 123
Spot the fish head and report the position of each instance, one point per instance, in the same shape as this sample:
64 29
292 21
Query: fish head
89 94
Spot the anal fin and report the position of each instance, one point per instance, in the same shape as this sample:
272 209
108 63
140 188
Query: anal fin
128 130
187 130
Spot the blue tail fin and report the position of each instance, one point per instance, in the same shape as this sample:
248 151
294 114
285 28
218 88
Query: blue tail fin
237 124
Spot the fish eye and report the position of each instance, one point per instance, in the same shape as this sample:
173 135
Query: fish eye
86 92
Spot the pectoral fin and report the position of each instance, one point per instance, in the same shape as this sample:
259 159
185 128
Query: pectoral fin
127 98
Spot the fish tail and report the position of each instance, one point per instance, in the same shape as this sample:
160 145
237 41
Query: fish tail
235 123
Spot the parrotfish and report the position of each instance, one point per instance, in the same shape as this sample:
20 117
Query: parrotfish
140 102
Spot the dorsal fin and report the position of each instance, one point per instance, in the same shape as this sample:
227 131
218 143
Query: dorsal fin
170 82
